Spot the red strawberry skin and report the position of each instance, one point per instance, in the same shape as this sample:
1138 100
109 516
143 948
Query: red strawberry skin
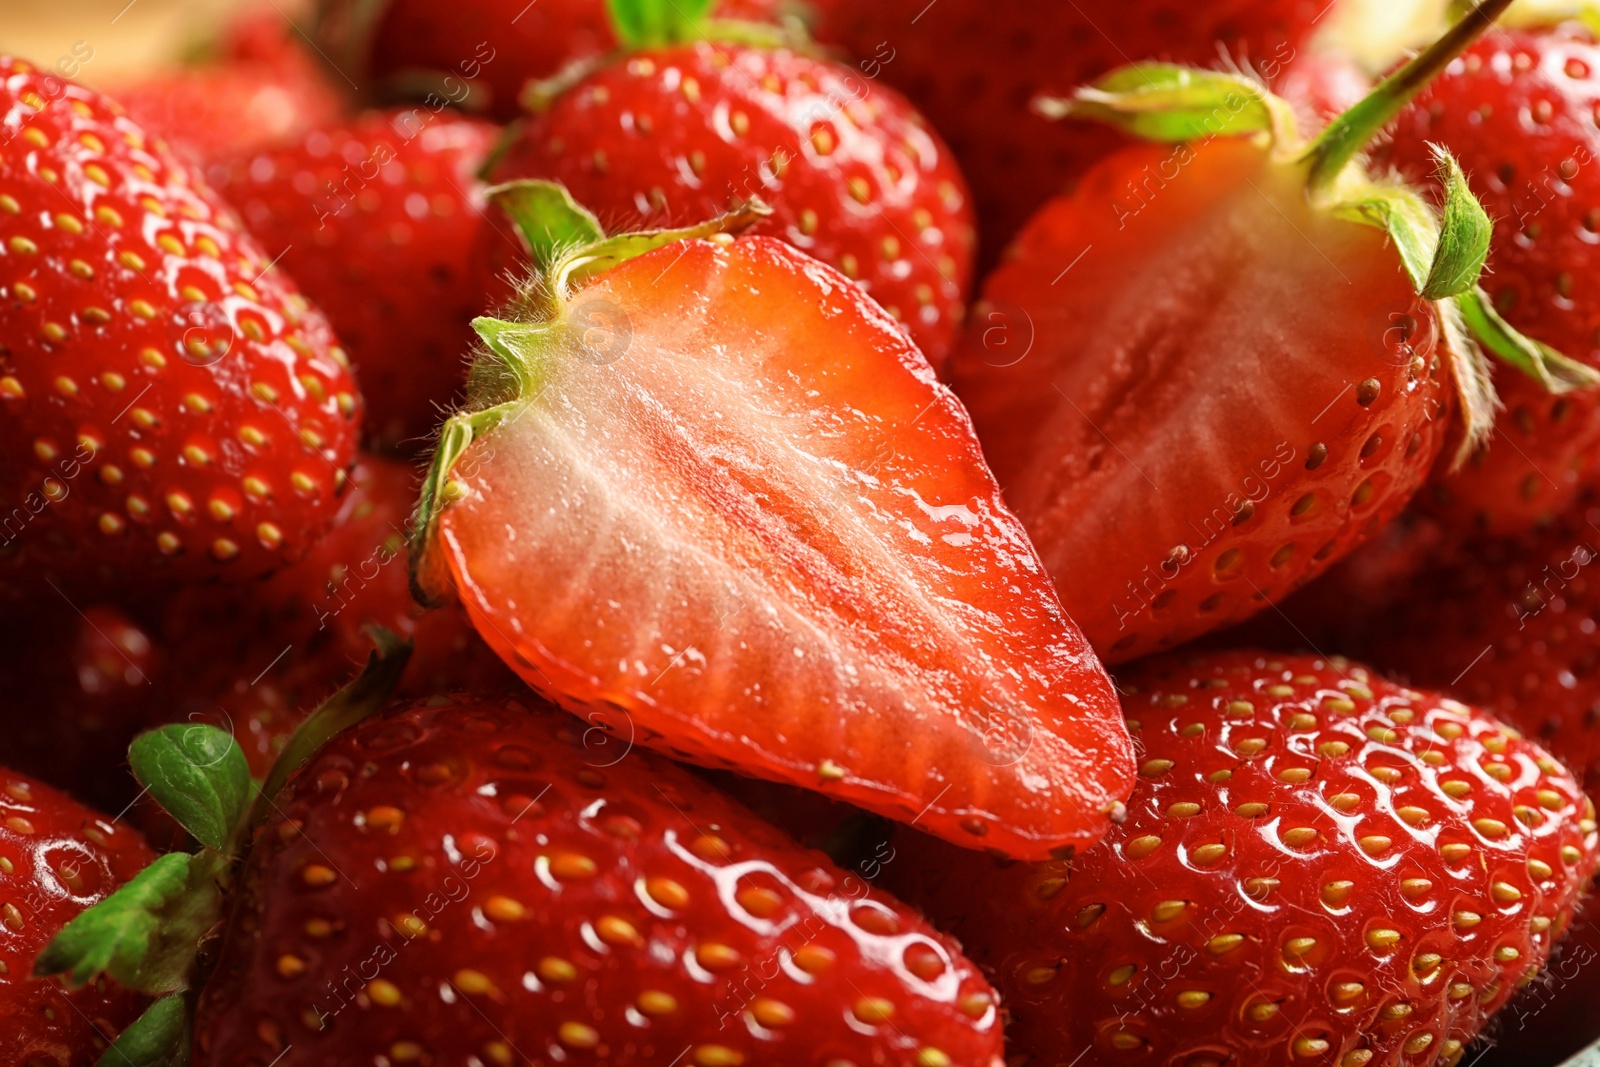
973 67
1507 624
509 889
1192 415
854 176
1517 110
172 407
60 858
1318 866
381 221
260 668
489 49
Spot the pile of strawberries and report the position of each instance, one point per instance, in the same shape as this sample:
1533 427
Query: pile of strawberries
594 532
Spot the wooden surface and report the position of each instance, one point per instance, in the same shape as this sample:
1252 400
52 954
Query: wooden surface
124 36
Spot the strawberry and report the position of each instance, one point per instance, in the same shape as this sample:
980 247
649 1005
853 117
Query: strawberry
59 858
707 492
461 881
478 53
380 219
1317 866
254 89
1213 369
262 667
172 407
1507 624
671 134
1518 112
622 916
973 67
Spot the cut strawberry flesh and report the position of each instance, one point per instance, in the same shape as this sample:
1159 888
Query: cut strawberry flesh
1221 397
739 508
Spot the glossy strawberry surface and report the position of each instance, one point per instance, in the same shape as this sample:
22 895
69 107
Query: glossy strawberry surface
173 408
469 882
674 136
1198 390
57 858
740 519
382 221
1518 111
975 66
1317 866
1508 624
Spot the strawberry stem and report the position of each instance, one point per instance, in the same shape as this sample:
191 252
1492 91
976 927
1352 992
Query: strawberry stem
1351 131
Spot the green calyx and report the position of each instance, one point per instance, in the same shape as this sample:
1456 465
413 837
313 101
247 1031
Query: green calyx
1443 249
147 935
1167 102
569 249
645 23
642 24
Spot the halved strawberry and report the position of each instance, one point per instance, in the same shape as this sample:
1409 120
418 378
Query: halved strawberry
1215 367
710 486
1317 867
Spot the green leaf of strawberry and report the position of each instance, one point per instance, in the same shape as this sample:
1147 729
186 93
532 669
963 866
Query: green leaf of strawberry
1552 370
158 1038
1463 235
1168 102
652 22
549 220
144 934
198 774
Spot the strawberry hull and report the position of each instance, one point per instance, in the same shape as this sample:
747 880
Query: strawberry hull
737 518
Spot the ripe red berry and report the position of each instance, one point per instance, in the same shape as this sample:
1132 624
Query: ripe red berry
481 53
467 880
172 406
380 219
57 858
676 135
1518 111
1317 866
